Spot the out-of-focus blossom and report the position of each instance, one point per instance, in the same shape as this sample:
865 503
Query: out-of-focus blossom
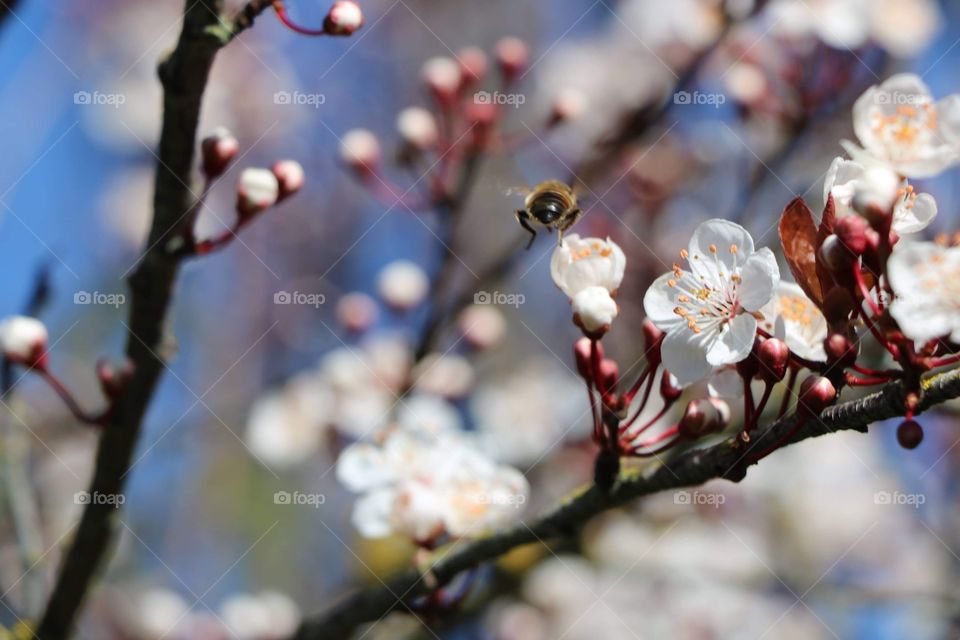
403 284
512 56
579 263
23 340
357 311
569 104
290 177
418 128
261 616
792 317
360 149
343 19
286 426
594 309
422 486
926 283
428 413
528 413
693 24
706 311
912 211
257 189
482 325
218 150
900 126
443 76
447 375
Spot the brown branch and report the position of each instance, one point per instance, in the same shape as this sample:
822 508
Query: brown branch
694 467
183 74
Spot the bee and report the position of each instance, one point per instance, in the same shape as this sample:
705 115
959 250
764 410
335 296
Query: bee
551 204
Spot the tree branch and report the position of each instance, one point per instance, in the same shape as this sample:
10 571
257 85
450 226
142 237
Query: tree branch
722 460
184 75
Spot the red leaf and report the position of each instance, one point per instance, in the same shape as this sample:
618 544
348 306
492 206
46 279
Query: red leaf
798 235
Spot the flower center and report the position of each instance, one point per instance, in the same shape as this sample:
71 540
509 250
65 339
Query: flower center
706 303
908 126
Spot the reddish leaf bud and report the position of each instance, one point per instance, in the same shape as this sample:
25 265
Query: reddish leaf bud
909 434
852 233
704 416
816 394
670 388
774 355
217 151
343 19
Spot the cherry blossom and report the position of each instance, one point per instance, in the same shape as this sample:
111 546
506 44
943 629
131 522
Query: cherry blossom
792 317
846 179
926 282
22 339
899 125
403 284
594 309
707 311
579 263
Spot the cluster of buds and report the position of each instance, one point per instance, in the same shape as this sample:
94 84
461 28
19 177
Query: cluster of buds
24 341
257 190
343 19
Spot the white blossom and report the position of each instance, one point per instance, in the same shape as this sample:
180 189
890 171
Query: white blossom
23 339
257 190
848 180
579 263
403 284
418 128
899 125
926 283
360 148
707 311
594 308
482 325
422 486
792 317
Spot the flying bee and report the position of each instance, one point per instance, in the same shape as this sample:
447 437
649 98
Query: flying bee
551 204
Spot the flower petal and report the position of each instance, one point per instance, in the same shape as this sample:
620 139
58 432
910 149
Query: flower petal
734 342
371 514
659 302
362 467
720 241
917 216
684 355
760 276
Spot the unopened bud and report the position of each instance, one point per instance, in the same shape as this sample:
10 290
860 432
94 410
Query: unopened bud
840 349
670 388
704 416
360 150
481 117
652 336
852 233
909 434
343 19
609 375
473 64
834 255
418 128
403 284
356 311
218 150
512 56
582 356
443 77
23 340
875 194
113 380
482 325
257 190
594 310
290 177
816 394
774 356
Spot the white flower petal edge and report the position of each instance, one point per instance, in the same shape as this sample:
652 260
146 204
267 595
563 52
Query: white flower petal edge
926 282
792 317
578 263
595 308
706 310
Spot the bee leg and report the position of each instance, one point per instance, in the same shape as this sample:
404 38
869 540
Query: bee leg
575 215
524 219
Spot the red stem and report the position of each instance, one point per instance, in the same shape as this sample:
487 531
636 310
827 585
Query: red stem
285 19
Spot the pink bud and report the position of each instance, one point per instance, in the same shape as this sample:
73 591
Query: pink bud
512 57
852 233
482 116
909 434
482 325
113 380
609 374
343 19
774 355
23 340
218 150
816 394
652 335
418 128
835 256
581 353
473 64
443 77
360 150
257 190
289 175
704 416
670 388
839 348
356 311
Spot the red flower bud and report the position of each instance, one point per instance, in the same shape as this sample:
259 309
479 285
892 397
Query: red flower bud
343 19
840 349
774 355
581 353
909 434
512 56
670 388
473 64
113 380
609 374
834 255
217 151
704 416
651 341
816 394
852 233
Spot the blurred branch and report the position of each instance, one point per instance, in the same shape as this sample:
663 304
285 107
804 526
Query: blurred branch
723 460
6 9
183 75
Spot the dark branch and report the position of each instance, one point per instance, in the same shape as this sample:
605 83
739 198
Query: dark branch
722 460
184 75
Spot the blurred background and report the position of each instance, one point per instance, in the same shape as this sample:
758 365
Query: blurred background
845 536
